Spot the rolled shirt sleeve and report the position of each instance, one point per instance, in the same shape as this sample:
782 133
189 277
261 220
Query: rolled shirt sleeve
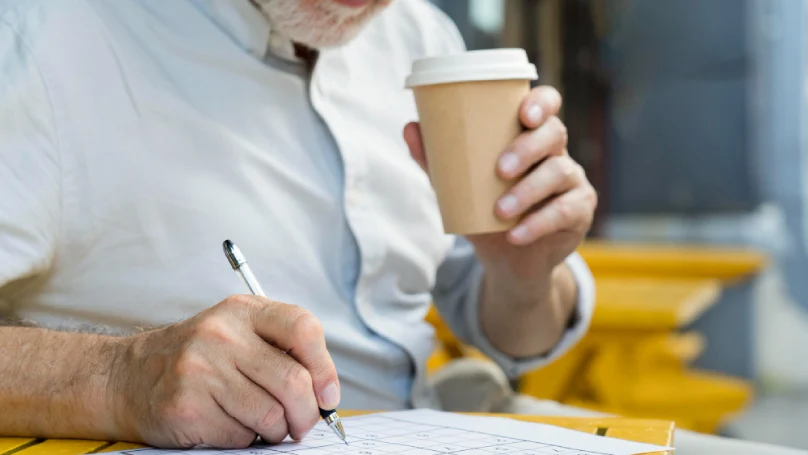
457 298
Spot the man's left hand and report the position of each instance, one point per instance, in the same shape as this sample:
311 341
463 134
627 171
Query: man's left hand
551 197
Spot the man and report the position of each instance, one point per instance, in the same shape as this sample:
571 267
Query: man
135 136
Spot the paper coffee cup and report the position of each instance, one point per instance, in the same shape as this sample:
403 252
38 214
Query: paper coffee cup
468 106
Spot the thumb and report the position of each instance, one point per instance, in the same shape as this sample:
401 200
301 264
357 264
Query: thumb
412 136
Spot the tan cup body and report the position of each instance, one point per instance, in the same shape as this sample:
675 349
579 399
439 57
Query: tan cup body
465 127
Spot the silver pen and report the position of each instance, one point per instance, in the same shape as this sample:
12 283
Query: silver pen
239 264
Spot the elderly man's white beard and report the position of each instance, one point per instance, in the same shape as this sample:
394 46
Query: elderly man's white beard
318 23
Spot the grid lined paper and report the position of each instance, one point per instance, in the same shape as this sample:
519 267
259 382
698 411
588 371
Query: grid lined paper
380 435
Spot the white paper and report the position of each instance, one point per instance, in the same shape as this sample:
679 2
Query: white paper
425 432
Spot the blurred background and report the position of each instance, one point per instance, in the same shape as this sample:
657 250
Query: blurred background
689 117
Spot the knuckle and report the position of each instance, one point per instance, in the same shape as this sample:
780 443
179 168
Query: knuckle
560 128
273 417
297 381
591 196
578 173
245 306
264 308
239 438
239 301
306 328
325 373
565 167
565 212
192 364
214 328
179 411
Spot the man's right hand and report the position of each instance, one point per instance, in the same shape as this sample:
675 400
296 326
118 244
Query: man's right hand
224 376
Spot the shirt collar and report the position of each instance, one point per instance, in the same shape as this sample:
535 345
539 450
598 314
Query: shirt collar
248 27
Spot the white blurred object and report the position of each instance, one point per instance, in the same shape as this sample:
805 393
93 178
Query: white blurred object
781 328
764 228
487 15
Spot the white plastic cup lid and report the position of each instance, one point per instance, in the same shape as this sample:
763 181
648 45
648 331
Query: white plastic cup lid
483 65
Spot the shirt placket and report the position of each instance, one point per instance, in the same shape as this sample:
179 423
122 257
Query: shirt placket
359 214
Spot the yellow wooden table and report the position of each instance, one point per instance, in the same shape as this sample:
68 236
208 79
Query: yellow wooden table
657 432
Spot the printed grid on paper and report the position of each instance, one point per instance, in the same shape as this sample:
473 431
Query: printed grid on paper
375 435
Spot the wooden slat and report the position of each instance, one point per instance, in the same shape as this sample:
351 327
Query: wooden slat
121 446
566 422
659 304
62 447
9 444
726 264
662 426
640 435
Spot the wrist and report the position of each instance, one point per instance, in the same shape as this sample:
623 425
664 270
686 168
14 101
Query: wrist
119 358
565 291
519 292
553 294
83 378
526 321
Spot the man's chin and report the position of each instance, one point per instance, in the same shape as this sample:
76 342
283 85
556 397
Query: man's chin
321 24
325 37
354 3
326 40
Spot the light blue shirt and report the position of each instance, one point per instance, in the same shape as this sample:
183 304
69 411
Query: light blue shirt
135 136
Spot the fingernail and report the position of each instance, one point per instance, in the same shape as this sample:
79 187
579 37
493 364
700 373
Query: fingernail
508 204
329 396
534 114
509 163
520 233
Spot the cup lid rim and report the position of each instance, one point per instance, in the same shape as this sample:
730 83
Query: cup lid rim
475 65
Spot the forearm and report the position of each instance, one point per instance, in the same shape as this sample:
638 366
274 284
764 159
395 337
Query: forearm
527 319
54 384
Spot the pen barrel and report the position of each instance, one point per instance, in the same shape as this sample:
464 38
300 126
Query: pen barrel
250 280
326 415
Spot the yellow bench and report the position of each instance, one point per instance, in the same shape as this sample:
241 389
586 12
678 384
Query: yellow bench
654 304
671 261
633 361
